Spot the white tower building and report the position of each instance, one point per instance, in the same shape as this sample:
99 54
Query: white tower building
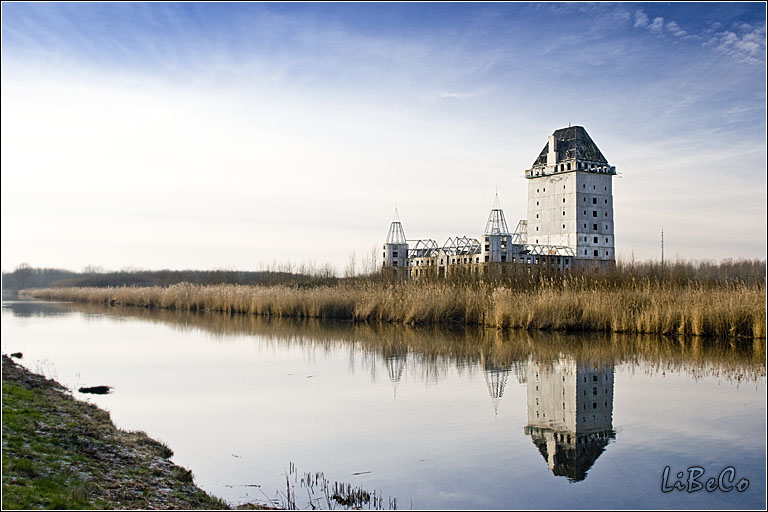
396 247
570 413
570 197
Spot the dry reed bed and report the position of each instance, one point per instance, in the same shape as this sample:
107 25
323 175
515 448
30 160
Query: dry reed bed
732 310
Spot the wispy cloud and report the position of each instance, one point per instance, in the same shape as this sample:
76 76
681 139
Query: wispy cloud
288 99
746 43
675 29
641 19
657 25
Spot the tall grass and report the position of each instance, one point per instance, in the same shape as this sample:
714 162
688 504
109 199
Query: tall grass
573 303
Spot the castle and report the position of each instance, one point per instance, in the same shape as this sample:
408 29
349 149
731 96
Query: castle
569 225
570 413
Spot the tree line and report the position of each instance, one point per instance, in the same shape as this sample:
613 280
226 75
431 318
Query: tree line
26 276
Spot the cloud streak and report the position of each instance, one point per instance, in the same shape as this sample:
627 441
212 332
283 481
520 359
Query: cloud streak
294 123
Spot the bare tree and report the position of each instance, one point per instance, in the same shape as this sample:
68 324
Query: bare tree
23 273
351 269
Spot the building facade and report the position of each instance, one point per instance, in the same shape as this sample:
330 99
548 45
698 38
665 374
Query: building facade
570 197
570 413
570 222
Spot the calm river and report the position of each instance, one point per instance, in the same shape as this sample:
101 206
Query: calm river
434 418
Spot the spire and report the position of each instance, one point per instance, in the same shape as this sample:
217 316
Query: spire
496 380
396 234
497 224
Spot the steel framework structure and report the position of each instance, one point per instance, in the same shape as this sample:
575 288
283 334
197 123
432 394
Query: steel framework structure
549 250
497 224
423 248
461 245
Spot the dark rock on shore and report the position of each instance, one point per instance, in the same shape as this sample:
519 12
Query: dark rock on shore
96 390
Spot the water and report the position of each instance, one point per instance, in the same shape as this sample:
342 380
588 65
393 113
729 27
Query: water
434 418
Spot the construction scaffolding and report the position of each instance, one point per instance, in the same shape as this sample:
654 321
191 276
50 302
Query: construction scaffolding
461 246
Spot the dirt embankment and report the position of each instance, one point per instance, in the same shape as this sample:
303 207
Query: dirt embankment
59 452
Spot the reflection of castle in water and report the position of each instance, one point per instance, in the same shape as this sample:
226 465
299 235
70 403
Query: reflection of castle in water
395 359
496 378
570 409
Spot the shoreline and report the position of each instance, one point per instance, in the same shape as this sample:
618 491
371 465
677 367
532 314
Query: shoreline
60 452
729 311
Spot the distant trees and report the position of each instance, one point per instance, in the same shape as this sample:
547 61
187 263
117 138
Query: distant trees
22 274
26 276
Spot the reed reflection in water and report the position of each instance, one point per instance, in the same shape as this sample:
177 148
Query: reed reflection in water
465 347
457 421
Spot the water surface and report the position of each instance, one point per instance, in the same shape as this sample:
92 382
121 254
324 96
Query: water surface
435 418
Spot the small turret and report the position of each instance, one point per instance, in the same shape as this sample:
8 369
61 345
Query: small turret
396 247
497 240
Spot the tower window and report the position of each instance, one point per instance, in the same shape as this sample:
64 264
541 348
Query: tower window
563 212
606 240
594 213
563 226
537 191
606 253
606 214
537 215
595 240
594 226
537 228
594 200
606 201
563 199
595 253
537 203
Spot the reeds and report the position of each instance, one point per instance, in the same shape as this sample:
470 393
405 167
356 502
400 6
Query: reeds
729 309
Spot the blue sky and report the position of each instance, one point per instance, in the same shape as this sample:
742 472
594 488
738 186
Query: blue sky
236 135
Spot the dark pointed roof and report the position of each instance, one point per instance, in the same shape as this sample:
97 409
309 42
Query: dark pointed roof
572 142
574 461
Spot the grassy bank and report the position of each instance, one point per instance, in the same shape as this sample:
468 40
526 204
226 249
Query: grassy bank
61 453
722 309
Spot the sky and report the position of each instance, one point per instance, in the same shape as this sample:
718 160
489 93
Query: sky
248 135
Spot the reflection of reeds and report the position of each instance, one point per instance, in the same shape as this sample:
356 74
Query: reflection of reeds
723 310
324 496
431 350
